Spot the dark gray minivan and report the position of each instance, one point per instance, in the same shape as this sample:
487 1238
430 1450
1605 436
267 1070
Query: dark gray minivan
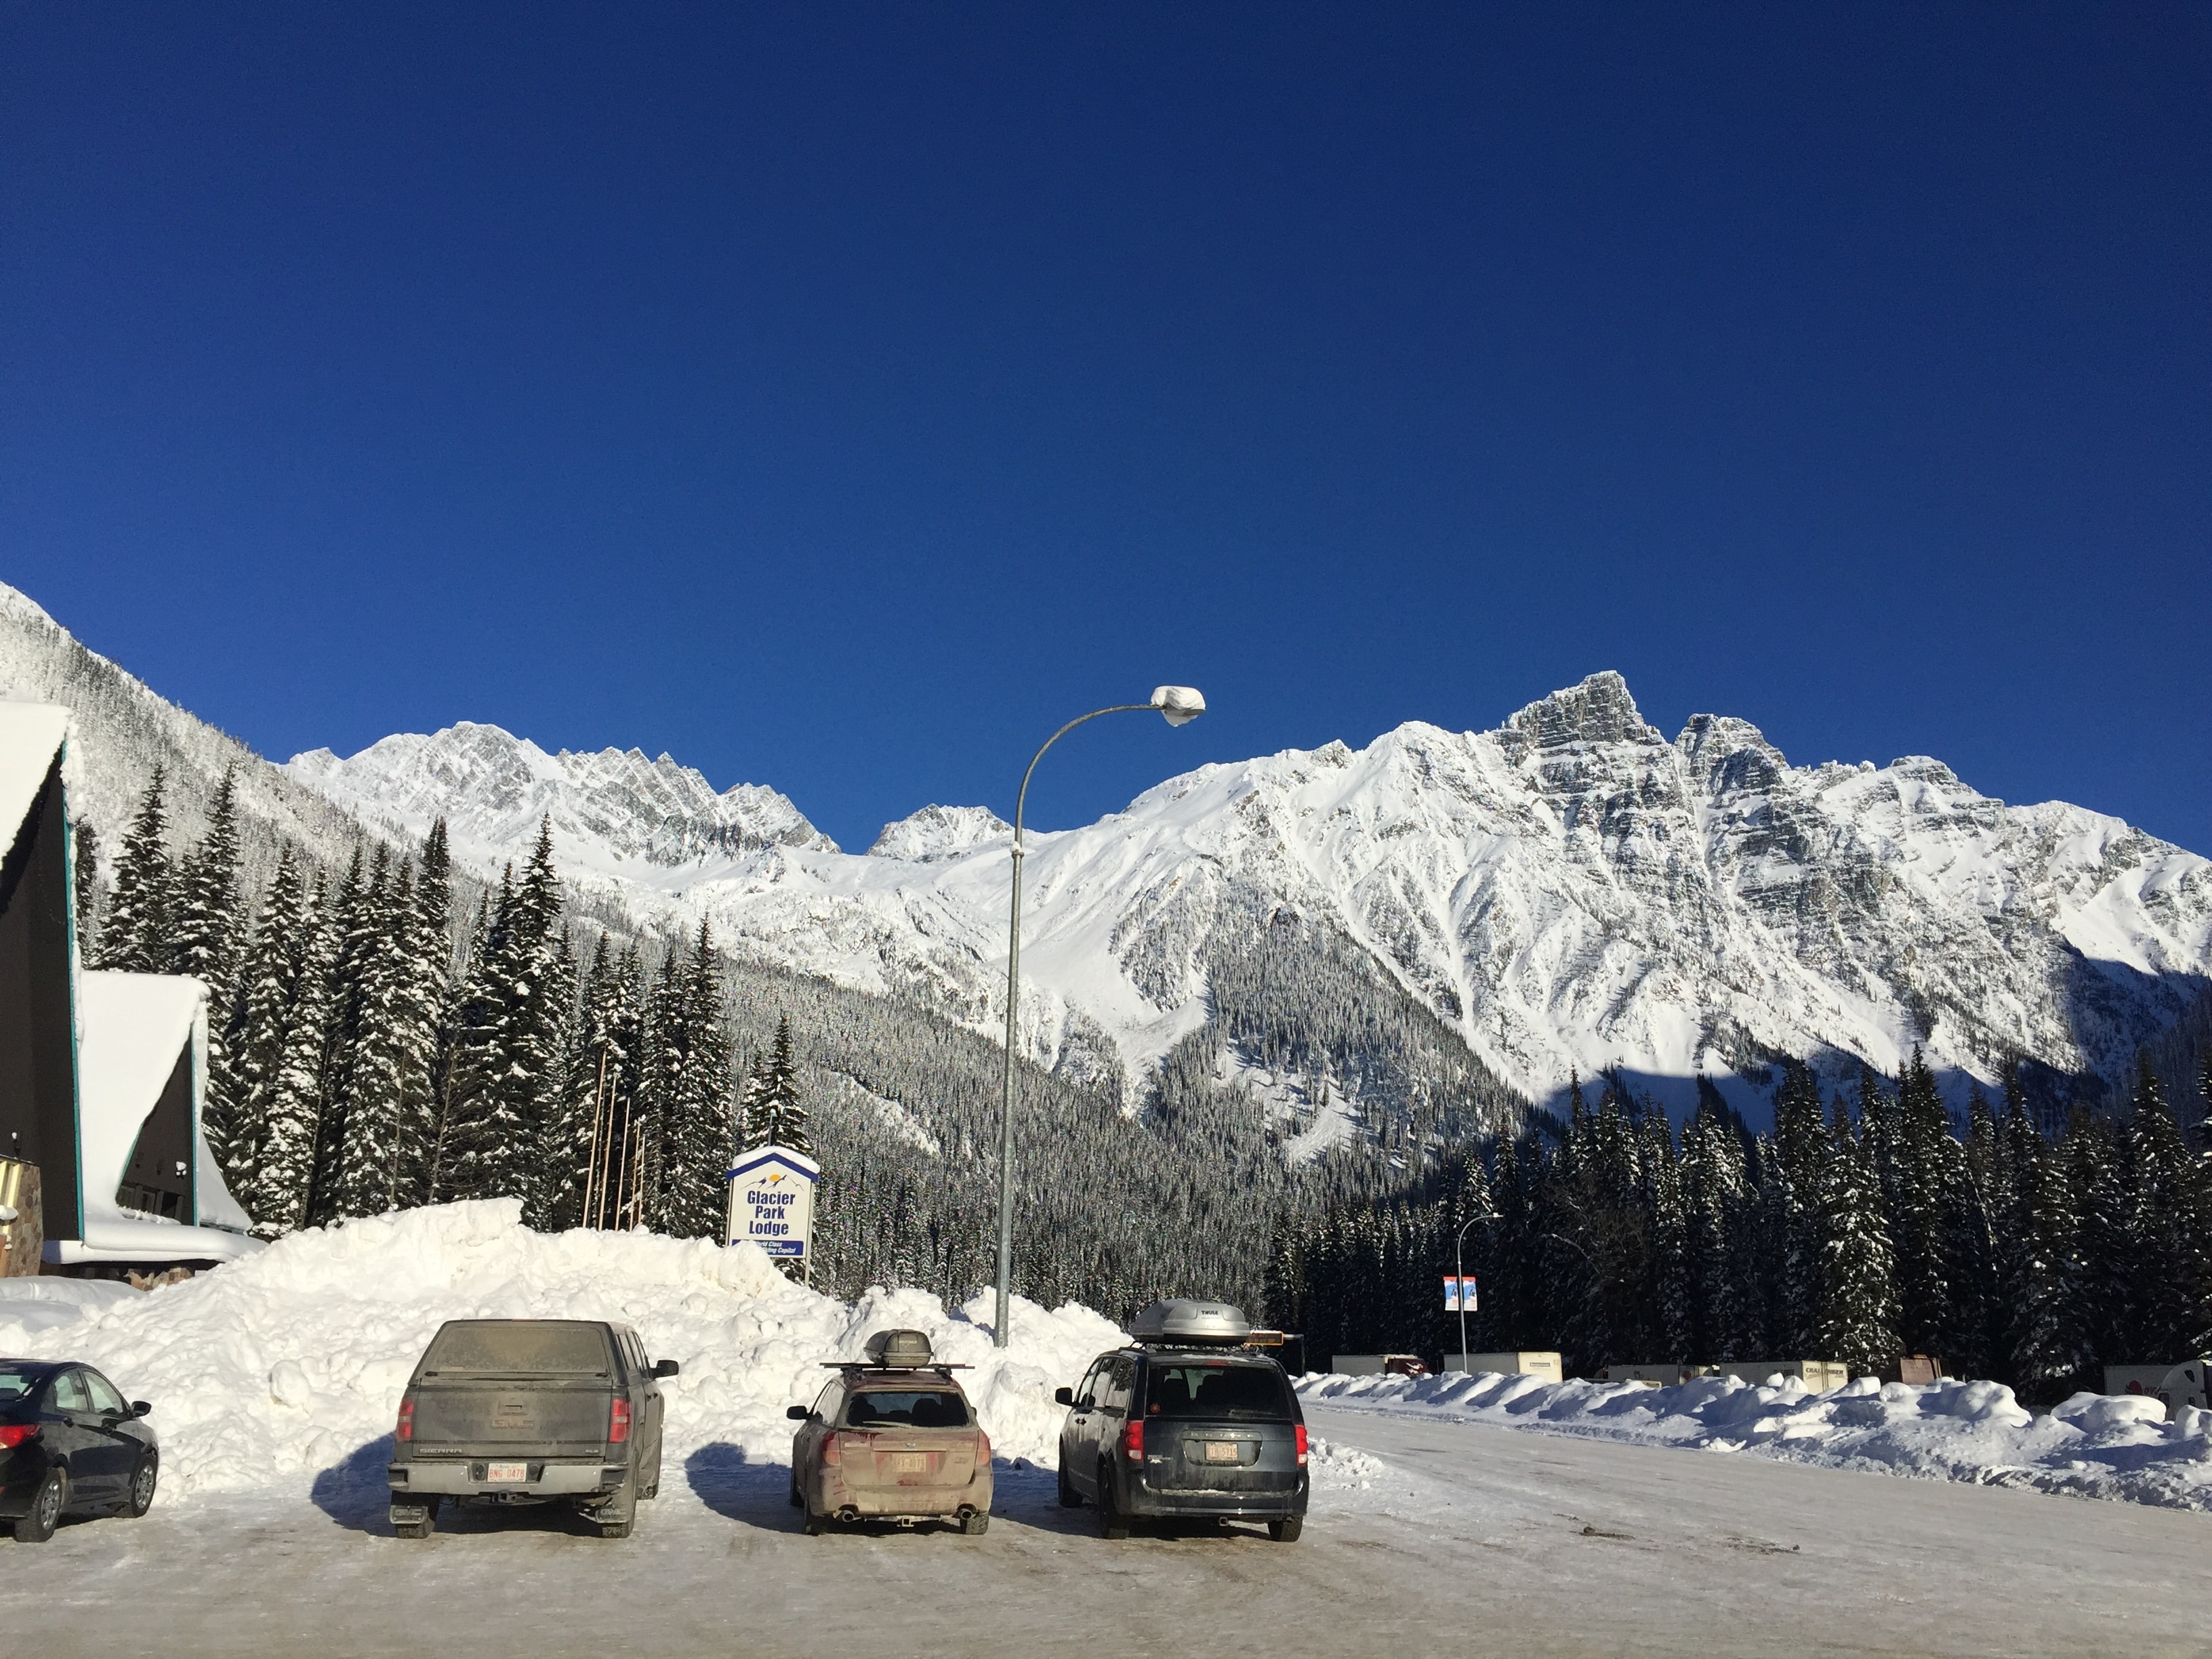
1186 1423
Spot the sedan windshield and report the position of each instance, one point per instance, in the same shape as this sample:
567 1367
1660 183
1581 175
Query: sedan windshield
908 1408
1216 1390
16 1381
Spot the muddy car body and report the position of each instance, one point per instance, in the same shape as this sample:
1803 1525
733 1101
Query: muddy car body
529 1411
895 1438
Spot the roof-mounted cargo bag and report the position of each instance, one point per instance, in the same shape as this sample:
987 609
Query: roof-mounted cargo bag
1182 1321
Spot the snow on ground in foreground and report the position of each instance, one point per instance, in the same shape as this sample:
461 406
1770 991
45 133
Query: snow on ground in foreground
2093 1446
292 1361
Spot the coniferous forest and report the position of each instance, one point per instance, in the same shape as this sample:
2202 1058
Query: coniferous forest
377 1042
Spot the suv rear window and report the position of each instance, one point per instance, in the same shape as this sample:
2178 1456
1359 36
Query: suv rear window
1218 1389
907 1408
519 1347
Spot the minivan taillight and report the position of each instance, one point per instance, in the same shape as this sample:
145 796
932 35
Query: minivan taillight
15 1434
404 1433
1302 1445
618 1424
1133 1440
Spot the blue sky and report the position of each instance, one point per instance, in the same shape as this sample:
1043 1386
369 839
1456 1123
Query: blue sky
839 398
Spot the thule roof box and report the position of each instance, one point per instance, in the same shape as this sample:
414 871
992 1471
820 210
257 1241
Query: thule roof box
1182 1322
895 1351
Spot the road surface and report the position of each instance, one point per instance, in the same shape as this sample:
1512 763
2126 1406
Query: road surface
1463 1539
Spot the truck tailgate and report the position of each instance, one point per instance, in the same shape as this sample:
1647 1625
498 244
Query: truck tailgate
550 1420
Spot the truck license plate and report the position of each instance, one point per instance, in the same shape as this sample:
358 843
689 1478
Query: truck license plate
909 1462
1221 1451
506 1471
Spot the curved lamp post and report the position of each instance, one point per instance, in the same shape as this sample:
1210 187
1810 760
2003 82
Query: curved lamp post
1180 704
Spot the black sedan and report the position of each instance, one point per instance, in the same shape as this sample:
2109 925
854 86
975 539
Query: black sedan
68 1444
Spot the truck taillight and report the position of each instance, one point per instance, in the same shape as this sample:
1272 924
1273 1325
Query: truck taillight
618 1423
405 1431
1302 1445
1133 1440
832 1450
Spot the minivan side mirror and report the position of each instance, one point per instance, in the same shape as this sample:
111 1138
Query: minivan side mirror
1063 1396
665 1368
798 1413
140 1407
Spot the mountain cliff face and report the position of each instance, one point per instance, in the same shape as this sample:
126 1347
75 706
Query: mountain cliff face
1570 892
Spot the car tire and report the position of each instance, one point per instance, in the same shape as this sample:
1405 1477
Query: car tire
976 1523
1112 1523
45 1514
1286 1530
140 1497
815 1525
1069 1498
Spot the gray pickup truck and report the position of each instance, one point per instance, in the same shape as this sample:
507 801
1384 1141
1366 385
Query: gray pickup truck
529 1411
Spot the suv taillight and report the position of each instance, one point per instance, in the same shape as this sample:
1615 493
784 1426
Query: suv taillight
1133 1440
983 1449
15 1434
1302 1445
406 1431
833 1451
618 1424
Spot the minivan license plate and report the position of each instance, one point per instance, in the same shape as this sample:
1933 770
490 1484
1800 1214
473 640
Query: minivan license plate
506 1471
1221 1451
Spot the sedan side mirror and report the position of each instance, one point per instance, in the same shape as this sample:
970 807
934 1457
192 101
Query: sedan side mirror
665 1368
798 1413
1063 1396
140 1407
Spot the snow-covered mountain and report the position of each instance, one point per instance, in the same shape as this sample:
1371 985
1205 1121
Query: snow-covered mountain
1570 892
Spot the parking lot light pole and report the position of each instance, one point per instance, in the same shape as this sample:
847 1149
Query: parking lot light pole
1459 1257
1181 705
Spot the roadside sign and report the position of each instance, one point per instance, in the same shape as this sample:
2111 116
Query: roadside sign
1459 1294
772 1201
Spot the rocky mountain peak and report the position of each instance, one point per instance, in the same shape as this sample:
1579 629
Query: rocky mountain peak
941 832
1599 710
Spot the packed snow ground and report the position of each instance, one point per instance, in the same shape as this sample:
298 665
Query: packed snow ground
2092 1446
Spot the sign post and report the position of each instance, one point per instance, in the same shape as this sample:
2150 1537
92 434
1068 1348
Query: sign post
772 1204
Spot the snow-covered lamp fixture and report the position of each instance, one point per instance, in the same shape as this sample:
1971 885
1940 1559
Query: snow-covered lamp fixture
1180 704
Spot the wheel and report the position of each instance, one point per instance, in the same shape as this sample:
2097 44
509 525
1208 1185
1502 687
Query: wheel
816 1525
1286 1530
141 1487
976 1523
1112 1523
1069 1498
45 1514
414 1520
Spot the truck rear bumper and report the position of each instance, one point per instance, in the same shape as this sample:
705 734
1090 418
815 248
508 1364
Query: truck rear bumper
459 1479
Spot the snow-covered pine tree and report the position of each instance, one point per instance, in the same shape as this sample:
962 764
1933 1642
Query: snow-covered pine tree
1671 1317
284 1161
2100 1169
2043 1286
464 1033
85 880
358 921
773 1114
2173 1213
135 934
1713 1196
695 1113
268 988
1857 1320
1925 1166
391 1037
422 999
1976 1204
1803 1152
207 941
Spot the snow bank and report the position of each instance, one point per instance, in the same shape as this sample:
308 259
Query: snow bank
2093 1446
293 1361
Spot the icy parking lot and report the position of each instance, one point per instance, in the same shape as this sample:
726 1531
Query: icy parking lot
1662 1522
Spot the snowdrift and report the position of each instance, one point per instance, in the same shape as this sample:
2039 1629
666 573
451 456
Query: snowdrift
267 1371
2093 1446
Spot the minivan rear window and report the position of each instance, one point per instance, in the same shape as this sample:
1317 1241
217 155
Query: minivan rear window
1219 1389
519 1347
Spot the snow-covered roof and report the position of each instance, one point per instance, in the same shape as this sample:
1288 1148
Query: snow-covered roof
31 734
131 1028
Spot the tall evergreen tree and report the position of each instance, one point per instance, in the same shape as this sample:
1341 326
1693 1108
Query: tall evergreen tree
773 1112
2173 1217
1857 1310
85 880
282 1175
693 1111
208 938
135 934
269 990
1924 1167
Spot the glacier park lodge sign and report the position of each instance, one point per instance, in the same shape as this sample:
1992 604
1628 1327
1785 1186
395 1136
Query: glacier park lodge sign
772 1201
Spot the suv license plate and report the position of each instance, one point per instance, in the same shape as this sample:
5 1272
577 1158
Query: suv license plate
506 1471
909 1462
1221 1451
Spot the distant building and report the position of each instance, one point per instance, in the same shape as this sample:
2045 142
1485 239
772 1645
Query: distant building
102 1075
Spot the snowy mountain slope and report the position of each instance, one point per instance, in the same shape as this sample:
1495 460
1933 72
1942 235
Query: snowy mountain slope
1570 892
121 729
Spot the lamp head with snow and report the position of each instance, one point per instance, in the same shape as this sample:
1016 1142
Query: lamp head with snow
1180 704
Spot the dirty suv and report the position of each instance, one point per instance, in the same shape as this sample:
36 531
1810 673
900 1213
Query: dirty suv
529 1411
1188 1423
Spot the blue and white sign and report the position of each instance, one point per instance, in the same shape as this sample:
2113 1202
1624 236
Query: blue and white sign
772 1201
1459 1294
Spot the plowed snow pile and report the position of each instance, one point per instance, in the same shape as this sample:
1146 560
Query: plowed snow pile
2093 1446
271 1369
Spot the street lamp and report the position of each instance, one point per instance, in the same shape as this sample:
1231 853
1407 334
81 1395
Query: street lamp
1180 704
